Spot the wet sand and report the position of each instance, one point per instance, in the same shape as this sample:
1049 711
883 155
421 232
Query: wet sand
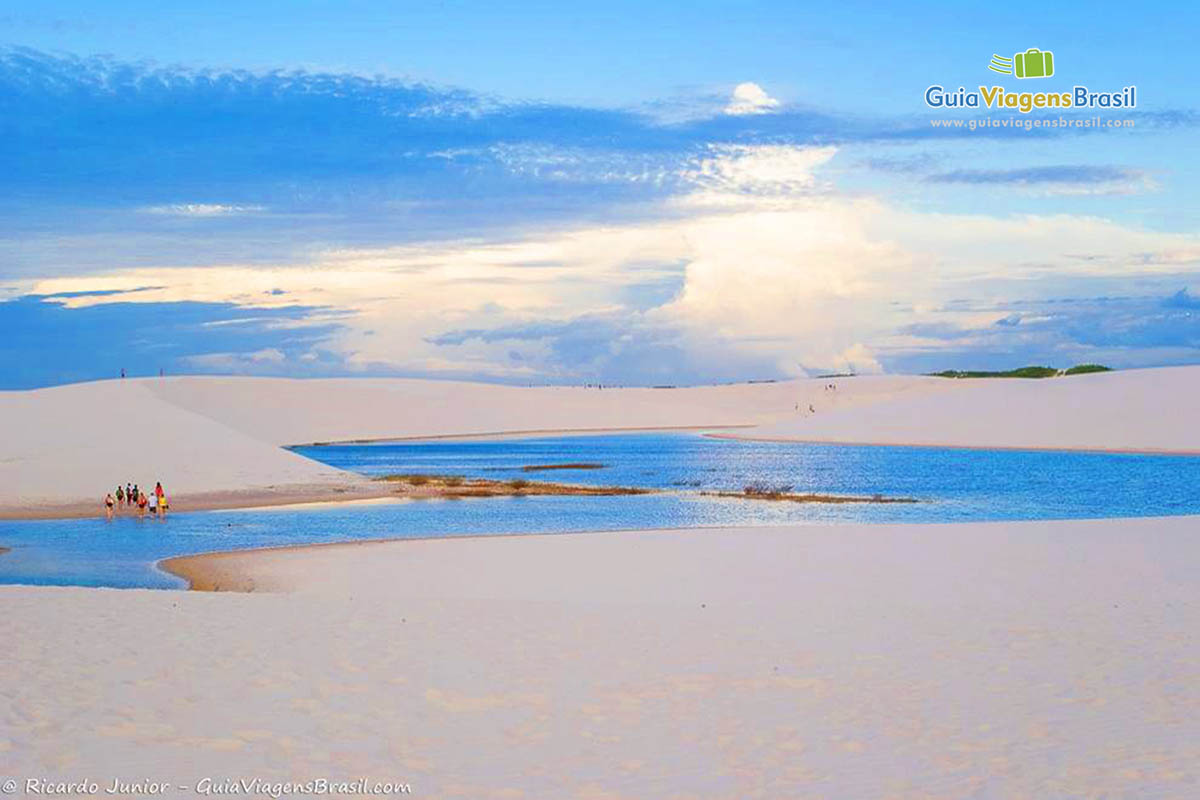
209 501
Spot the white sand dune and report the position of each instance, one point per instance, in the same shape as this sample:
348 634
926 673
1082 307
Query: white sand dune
73 443
69 445
282 411
1140 410
1048 659
66 446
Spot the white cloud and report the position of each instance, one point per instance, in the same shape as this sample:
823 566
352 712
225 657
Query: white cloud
266 355
735 174
580 164
1134 183
238 362
750 98
201 210
774 268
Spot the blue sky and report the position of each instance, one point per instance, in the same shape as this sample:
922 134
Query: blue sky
618 192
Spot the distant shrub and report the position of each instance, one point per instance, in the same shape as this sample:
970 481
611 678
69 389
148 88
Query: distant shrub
1083 369
1033 372
1022 372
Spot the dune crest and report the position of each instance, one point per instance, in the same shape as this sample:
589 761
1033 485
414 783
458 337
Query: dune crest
219 441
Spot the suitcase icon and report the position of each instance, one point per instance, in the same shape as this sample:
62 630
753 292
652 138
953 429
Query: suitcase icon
1034 63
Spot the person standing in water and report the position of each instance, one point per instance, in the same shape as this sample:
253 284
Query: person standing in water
141 505
108 506
153 503
120 495
161 497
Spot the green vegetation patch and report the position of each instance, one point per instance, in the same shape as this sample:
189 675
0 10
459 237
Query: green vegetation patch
1083 369
1021 372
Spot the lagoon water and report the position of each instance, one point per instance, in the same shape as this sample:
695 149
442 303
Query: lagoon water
951 485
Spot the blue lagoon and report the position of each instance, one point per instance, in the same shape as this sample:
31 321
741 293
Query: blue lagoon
951 485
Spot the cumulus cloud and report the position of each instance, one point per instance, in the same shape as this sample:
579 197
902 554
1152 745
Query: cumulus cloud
532 241
370 161
759 269
1119 331
750 98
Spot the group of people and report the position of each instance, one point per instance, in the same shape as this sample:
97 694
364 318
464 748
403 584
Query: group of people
130 496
